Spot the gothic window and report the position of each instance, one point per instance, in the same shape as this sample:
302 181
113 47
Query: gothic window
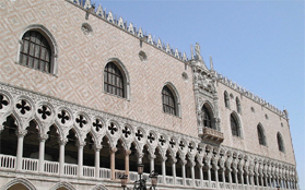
280 142
207 117
36 51
114 80
226 99
261 135
169 101
235 125
238 106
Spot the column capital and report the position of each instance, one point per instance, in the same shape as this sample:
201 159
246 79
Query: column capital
43 137
81 144
113 149
152 156
127 152
21 132
98 147
63 141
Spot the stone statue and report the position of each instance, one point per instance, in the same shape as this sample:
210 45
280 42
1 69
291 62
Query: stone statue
197 52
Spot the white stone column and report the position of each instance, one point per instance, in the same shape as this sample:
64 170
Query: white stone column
236 178
209 175
201 174
223 177
174 169
21 134
163 170
193 171
112 162
230 176
216 176
80 158
183 171
42 141
152 162
62 145
97 150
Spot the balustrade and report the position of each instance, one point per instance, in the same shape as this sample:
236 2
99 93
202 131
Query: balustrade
70 169
88 171
30 164
104 173
179 180
169 180
7 162
51 167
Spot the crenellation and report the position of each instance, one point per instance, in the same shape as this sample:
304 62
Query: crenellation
99 12
131 29
121 23
149 39
87 4
140 33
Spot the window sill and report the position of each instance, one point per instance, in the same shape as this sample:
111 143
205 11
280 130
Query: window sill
107 93
176 116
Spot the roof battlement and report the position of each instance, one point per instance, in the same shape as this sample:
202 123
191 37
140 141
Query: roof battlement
130 28
165 47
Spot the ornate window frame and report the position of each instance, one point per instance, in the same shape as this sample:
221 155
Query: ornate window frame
175 93
125 75
51 41
260 131
239 125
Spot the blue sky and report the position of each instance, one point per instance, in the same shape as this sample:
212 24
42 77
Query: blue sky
258 44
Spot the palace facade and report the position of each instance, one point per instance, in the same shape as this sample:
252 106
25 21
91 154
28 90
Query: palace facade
86 97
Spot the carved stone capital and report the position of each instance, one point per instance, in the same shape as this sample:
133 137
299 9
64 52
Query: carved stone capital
21 133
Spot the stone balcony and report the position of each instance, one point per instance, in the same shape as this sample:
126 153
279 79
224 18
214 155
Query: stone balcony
211 135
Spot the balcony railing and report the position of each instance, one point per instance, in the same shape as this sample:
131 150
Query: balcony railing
50 167
7 162
212 135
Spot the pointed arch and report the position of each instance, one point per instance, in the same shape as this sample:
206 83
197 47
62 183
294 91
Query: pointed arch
8 137
63 184
170 99
116 78
261 135
89 150
280 142
17 181
99 187
238 105
226 99
207 116
39 37
31 140
235 125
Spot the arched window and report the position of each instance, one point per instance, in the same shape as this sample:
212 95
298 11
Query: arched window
207 117
280 142
226 99
235 125
238 106
36 51
169 101
261 135
113 80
